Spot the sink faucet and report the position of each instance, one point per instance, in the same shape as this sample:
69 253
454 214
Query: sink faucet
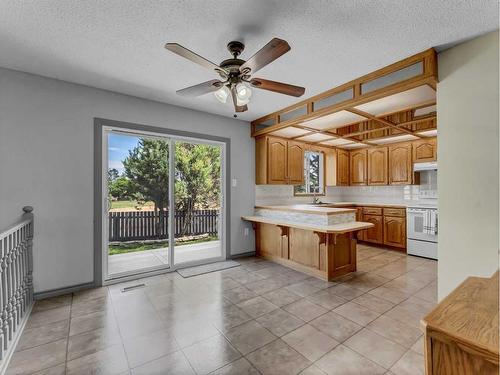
315 199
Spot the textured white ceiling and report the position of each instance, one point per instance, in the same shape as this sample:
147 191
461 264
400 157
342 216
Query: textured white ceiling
118 44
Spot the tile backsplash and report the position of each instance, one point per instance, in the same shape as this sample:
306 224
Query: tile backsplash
426 192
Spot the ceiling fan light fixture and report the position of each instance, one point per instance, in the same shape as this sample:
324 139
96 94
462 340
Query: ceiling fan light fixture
241 102
235 81
243 92
222 94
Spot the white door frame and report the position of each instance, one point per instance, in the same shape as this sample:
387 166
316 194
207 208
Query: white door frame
101 128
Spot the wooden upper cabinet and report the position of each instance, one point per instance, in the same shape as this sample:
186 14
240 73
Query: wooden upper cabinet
358 161
295 163
395 231
377 166
330 167
425 150
374 234
400 164
276 161
261 161
342 167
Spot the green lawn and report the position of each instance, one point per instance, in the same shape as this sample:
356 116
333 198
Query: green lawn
128 204
139 246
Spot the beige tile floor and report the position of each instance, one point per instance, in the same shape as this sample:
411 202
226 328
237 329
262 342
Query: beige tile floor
260 318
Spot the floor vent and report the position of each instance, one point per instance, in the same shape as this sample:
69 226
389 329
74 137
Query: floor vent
132 287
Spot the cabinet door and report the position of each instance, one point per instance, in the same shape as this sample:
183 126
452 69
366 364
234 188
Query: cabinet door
276 161
400 165
359 217
342 167
425 150
358 167
330 167
395 231
295 163
377 166
376 233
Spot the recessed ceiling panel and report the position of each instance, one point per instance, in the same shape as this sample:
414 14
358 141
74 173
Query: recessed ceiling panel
334 120
399 138
400 101
429 133
289 132
353 145
425 110
337 142
316 137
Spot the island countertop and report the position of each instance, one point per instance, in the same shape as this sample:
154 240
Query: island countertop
307 209
334 228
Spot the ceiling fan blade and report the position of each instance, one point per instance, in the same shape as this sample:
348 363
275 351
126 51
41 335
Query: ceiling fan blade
266 55
237 108
282 88
190 55
201 88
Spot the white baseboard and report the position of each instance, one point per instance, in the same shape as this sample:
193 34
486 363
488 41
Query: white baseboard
4 363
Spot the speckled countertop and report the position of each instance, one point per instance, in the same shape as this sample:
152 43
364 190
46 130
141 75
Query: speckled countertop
334 228
308 209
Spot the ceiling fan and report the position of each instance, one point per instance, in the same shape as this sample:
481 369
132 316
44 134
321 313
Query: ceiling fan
235 73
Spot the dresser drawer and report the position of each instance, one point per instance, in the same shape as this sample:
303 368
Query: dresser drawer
400 212
372 210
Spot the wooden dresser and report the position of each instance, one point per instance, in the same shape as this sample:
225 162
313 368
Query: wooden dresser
461 333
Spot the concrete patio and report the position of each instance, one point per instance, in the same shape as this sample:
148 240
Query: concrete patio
127 262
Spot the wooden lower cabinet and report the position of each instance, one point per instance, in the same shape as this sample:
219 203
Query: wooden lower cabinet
376 233
395 231
389 229
322 255
359 217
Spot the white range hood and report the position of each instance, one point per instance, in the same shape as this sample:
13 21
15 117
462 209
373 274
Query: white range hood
430 166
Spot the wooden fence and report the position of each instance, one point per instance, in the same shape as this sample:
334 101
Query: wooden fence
146 225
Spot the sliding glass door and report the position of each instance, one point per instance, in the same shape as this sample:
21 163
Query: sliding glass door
137 203
198 200
164 199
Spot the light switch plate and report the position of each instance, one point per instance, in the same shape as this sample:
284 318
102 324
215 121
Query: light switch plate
234 182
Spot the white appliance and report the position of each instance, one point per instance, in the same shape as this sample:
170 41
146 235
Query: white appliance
422 231
428 166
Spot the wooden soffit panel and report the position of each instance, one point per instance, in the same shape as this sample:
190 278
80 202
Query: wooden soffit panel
404 85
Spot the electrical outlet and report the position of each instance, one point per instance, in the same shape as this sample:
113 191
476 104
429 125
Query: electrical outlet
245 232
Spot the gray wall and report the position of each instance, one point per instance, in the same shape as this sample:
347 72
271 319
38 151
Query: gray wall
467 109
46 160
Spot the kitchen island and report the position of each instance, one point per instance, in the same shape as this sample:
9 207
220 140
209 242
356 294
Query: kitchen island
312 239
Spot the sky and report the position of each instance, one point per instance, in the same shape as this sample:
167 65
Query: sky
118 147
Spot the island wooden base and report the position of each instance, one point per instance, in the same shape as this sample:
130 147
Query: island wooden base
323 255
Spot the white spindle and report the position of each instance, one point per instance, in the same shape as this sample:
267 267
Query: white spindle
16 277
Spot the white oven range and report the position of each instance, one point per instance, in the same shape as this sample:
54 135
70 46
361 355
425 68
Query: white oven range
422 231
